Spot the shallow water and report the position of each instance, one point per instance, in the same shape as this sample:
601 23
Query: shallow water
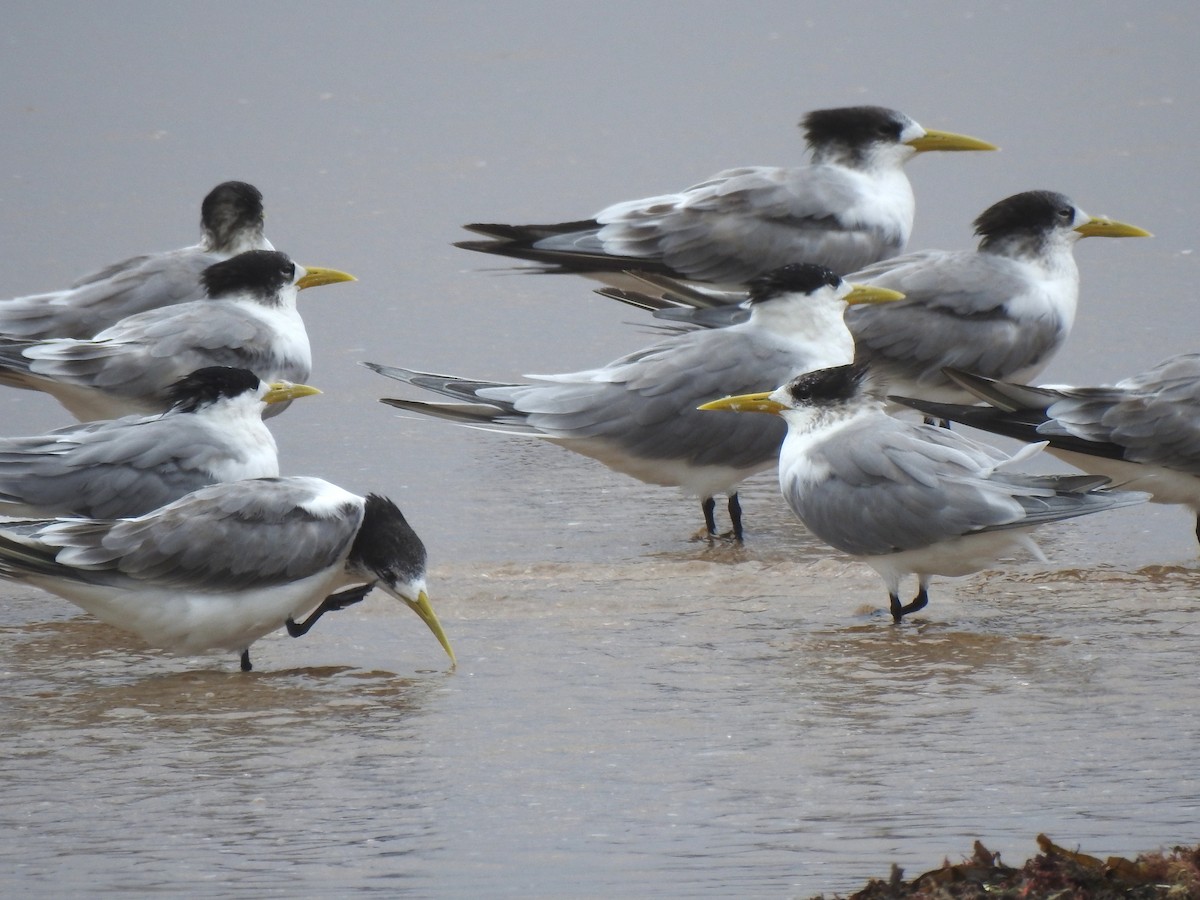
633 712
684 726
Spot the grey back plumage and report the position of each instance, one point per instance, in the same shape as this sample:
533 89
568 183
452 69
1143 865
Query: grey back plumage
247 534
896 486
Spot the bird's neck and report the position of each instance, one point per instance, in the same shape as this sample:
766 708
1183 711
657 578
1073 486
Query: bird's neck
816 324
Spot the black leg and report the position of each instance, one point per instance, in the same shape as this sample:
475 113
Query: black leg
246 667
918 602
333 602
708 504
1198 528
735 516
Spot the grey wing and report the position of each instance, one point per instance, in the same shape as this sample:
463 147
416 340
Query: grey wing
120 468
743 222
674 300
646 402
1154 417
120 291
143 355
246 534
953 314
886 486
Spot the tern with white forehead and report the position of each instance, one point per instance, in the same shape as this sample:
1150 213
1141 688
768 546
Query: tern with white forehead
638 416
852 205
231 222
1143 432
228 563
247 320
907 498
214 431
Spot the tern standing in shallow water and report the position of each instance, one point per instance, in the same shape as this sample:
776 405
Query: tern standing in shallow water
227 564
907 498
231 222
1143 432
637 415
214 431
1002 310
851 206
248 320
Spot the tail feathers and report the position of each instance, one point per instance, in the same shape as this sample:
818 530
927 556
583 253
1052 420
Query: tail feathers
472 415
1064 485
1053 498
1022 425
1071 503
19 560
399 373
557 261
569 252
528 234
12 356
446 385
706 317
675 291
637 299
1001 394
1026 424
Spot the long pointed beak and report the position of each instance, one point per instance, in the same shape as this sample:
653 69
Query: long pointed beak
948 140
315 276
747 403
868 293
279 391
422 608
1098 226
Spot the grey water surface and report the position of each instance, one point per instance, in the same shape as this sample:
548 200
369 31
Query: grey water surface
634 713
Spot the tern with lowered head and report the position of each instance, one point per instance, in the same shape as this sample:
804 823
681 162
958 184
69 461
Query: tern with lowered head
228 563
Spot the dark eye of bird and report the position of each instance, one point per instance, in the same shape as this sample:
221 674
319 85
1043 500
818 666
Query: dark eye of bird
1066 213
801 392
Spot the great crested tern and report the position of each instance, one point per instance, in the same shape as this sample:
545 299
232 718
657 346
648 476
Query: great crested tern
1143 432
226 564
852 205
637 415
907 498
247 320
231 222
212 432
1002 310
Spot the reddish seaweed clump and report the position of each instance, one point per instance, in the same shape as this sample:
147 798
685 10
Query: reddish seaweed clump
1054 874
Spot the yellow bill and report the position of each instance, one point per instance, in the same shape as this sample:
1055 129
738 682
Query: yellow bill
422 608
1097 226
868 293
315 276
279 391
948 140
747 403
